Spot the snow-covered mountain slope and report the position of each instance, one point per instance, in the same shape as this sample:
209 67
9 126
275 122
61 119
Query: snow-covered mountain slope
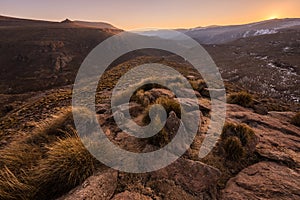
224 34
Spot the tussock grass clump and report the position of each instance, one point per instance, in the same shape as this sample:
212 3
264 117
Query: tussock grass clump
168 104
241 98
19 155
296 119
66 165
47 163
198 85
13 187
233 148
141 97
16 161
57 125
236 139
242 131
162 138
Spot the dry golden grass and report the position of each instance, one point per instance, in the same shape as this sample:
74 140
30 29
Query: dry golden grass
168 104
242 131
198 85
230 155
66 165
241 98
233 148
13 187
45 164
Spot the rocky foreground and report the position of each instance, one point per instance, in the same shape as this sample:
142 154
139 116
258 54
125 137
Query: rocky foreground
273 174
267 169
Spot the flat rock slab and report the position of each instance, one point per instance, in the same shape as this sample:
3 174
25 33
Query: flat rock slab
192 176
264 180
278 139
130 196
100 186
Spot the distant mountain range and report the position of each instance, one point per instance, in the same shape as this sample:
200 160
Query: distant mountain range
224 34
38 55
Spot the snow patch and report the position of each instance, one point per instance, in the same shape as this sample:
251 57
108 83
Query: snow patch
286 49
265 32
285 72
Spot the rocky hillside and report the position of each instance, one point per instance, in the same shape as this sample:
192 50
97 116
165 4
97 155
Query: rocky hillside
39 55
42 157
255 158
267 64
224 34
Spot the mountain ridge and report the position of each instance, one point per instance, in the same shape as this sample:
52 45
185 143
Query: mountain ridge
15 21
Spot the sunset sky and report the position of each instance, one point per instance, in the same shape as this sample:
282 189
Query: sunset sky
134 14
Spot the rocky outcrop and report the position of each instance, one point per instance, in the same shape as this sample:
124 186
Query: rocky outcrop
264 180
274 178
130 196
159 92
99 186
193 176
278 139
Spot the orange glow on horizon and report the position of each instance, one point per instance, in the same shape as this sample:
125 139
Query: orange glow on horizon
167 14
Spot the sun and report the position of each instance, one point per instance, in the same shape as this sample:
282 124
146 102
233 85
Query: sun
272 17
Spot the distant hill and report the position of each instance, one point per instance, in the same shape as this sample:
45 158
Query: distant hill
95 24
38 55
268 64
224 34
11 21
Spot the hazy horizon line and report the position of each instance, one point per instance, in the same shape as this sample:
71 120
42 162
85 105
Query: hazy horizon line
158 28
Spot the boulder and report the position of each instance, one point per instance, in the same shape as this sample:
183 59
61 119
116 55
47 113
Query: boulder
264 180
130 196
204 105
188 104
193 176
169 190
100 186
159 92
278 139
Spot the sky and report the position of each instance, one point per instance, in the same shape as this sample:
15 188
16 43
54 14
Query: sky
138 14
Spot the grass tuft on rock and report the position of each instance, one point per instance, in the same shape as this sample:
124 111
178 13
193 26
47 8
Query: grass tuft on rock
237 140
66 165
242 131
233 148
170 105
296 119
198 85
241 98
